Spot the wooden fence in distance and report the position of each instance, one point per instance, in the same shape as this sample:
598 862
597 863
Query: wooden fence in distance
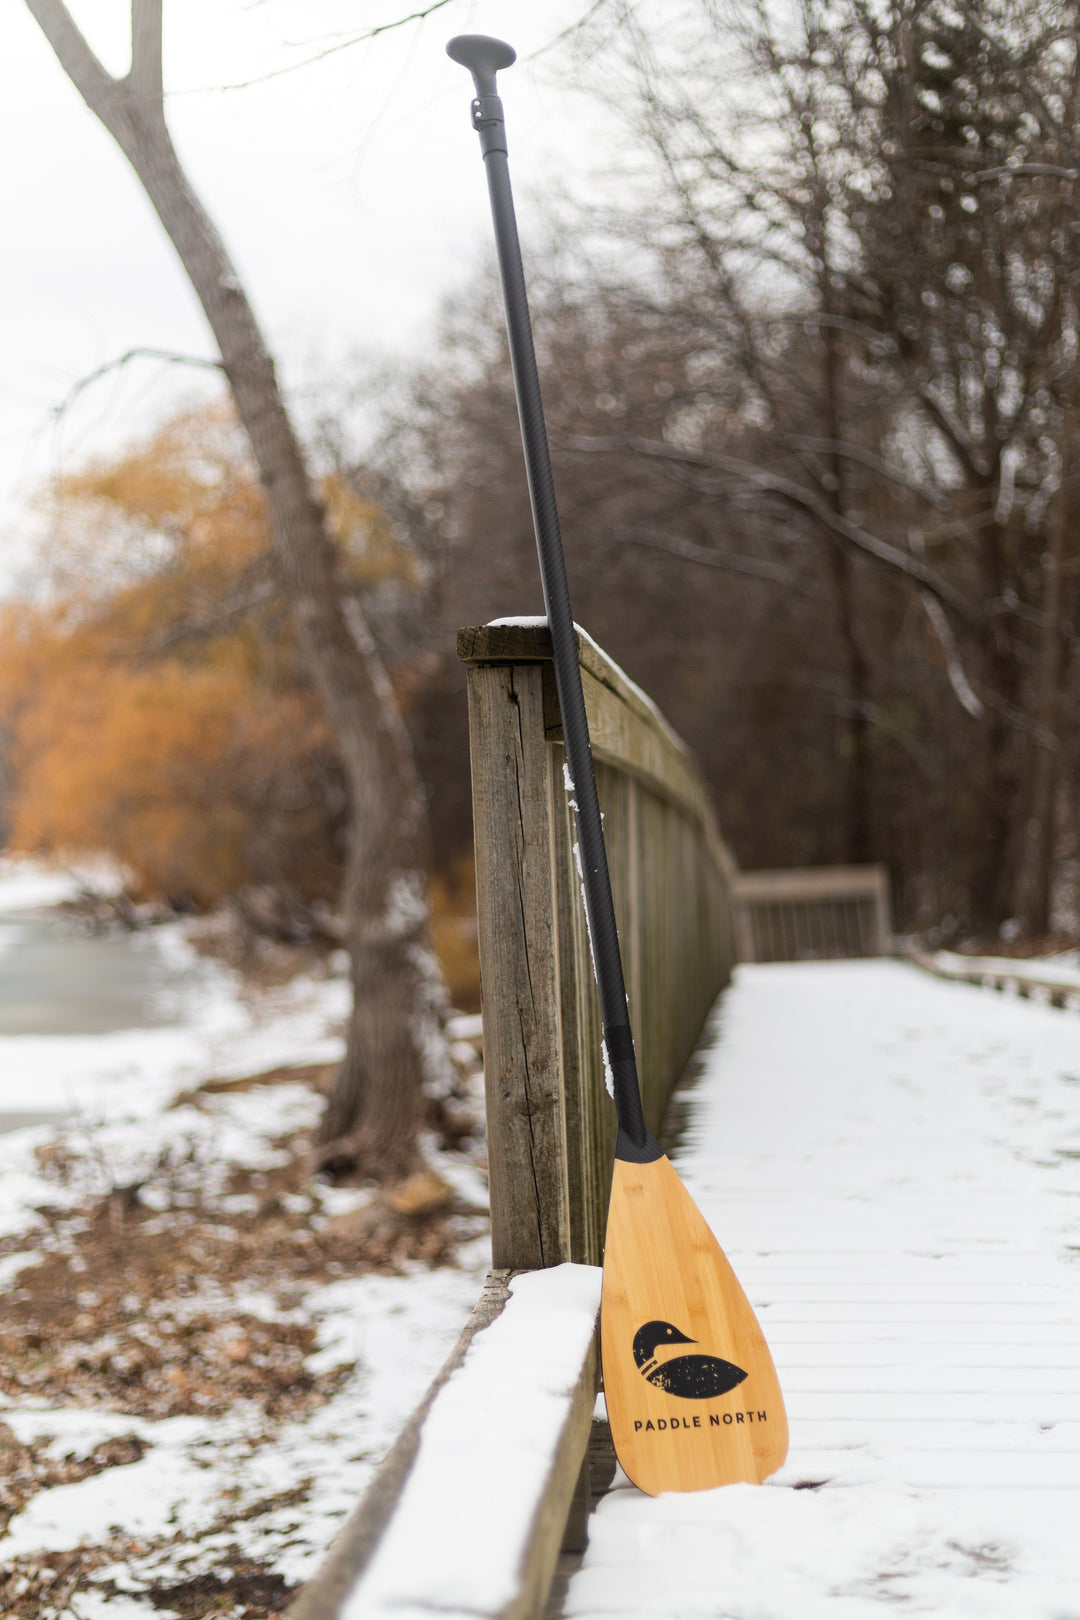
551 1126
819 913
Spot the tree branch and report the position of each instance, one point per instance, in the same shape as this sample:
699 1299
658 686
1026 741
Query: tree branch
954 431
690 551
319 56
966 695
73 53
794 494
866 458
1024 79
1051 171
123 360
144 79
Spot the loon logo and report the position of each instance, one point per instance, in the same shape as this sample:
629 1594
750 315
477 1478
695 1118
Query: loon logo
695 1378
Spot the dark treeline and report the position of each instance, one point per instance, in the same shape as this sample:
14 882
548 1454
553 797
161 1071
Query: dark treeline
816 458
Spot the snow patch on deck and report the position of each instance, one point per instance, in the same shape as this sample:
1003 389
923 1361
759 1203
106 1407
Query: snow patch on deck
892 1164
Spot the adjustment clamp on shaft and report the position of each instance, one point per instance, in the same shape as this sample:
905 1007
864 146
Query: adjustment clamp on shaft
487 117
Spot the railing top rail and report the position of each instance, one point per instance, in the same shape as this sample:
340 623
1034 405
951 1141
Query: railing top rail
528 641
626 727
811 883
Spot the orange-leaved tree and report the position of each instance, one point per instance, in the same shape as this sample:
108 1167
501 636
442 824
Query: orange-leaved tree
154 700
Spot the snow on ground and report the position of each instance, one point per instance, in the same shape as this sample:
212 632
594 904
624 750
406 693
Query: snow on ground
397 1331
213 1028
110 1084
201 1491
892 1164
26 884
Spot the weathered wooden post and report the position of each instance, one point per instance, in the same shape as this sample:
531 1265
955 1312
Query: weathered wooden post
551 1127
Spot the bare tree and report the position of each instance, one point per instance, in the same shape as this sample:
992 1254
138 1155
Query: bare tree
375 1112
971 264
862 221
1040 66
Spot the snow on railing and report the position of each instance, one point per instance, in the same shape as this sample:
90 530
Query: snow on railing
1058 985
466 1516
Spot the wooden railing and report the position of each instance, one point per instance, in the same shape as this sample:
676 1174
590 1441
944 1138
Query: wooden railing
1020 978
551 1125
813 913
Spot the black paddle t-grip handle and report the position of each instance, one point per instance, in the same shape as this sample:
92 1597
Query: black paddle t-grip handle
483 56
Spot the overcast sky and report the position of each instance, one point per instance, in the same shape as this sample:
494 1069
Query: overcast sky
350 192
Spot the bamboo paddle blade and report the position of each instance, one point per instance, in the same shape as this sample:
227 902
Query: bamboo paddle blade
692 1394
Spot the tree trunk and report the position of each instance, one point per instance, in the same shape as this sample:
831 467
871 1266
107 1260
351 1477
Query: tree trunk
856 762
998 842
993 866
856 751
1053 667
375 1113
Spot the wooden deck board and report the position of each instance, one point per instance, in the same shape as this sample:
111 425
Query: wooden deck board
886 1160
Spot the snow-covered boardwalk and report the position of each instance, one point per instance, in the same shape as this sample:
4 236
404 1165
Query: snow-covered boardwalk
892 1163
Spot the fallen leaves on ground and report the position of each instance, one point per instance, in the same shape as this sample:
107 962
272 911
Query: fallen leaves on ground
137 1301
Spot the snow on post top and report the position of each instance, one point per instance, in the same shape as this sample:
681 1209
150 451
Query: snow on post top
533 621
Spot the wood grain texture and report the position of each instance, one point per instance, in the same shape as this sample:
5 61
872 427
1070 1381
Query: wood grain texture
516 923
588 1111
625 726
551 1124
663 1265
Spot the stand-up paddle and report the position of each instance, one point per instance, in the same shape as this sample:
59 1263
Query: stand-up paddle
692 1393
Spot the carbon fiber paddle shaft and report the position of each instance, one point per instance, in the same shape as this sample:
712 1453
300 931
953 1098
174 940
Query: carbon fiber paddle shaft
483 56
